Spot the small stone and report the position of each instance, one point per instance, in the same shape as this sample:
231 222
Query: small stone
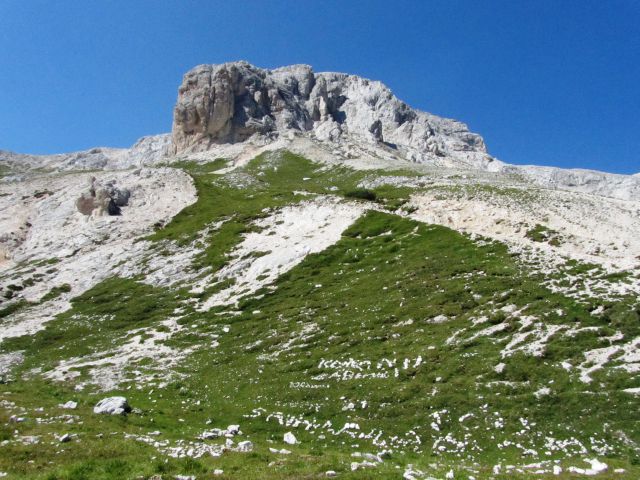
364 464
372 458
64 438
233 430
330 473
218 471
290 438
282 451
245 446
213 433
71 405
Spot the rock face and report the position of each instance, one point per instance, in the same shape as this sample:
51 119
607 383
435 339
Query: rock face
39 220
231 102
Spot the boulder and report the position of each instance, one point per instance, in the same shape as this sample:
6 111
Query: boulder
104 204
120 196
101 200
112 406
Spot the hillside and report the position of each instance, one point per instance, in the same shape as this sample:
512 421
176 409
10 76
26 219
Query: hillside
310 279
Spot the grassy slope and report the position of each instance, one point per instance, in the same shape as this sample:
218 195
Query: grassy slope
385 271
4 170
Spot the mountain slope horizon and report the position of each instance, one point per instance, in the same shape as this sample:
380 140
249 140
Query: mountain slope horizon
307 278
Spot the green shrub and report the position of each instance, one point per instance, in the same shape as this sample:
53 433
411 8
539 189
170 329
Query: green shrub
362 194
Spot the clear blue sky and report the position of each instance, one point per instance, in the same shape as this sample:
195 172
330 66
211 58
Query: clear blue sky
545 82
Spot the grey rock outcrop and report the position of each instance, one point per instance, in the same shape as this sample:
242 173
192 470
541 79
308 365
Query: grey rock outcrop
230 102
102 200
120 196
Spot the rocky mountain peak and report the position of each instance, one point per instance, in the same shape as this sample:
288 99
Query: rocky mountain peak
230 102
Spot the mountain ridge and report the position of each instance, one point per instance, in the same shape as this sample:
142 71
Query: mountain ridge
336 111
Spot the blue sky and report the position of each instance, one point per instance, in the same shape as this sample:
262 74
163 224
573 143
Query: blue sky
545 82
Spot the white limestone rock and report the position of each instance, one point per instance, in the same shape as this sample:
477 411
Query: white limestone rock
245 446
233 430
112 406
290 438
213 433
282 451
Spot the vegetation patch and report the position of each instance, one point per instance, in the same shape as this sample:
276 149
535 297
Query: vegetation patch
362 194
544 234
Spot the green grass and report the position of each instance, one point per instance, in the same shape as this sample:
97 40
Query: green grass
544 234
13 308
383 284
275 181
55 292
4 171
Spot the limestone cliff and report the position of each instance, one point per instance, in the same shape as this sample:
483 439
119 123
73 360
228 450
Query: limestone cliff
231 102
